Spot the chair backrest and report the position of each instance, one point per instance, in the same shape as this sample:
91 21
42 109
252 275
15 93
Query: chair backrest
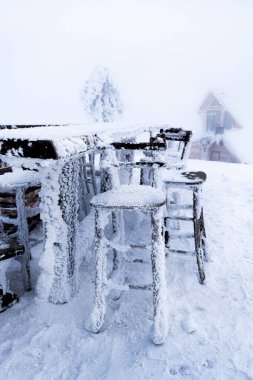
127 156
179 136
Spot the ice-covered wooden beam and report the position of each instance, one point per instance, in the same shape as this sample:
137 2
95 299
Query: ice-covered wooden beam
25 148
45 149
14 126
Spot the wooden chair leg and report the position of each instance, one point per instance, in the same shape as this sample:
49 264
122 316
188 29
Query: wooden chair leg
99 307
197 235
115 228
203 237
160 327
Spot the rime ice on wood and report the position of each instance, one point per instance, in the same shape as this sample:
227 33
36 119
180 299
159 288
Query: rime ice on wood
109 172
58 281
160 327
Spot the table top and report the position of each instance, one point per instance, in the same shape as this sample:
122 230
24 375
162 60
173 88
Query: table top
46 142
64 131
55 142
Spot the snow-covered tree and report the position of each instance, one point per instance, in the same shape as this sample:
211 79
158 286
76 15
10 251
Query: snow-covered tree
101 97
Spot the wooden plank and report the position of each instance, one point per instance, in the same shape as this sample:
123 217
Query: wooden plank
25 148
14 250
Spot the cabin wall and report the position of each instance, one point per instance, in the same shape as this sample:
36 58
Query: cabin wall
219 152
195 153
215 152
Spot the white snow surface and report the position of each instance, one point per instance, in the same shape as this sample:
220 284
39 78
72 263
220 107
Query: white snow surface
239 142
210 333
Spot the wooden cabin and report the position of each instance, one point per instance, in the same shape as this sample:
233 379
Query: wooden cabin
216 120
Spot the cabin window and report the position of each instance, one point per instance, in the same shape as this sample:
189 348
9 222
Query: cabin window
228 121
212 120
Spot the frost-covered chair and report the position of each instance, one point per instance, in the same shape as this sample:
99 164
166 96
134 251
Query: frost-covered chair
192 182
146 156
19 201
178 144
145 199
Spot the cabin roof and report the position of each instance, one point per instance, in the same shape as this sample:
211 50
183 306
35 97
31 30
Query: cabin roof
212 100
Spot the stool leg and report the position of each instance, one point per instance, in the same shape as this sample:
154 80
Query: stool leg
197 234
98 311
160 327
93 172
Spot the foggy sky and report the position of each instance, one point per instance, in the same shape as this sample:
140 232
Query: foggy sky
164 55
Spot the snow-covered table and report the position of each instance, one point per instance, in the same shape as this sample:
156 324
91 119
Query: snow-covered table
56 153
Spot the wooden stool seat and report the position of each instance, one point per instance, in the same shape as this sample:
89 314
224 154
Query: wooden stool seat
130 197
178 178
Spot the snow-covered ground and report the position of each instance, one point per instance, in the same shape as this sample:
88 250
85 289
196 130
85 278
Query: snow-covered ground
210 336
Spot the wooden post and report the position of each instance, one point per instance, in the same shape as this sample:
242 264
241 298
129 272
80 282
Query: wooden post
59 212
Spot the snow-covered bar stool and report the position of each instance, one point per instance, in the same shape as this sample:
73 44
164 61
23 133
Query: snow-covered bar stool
57 154
193 182
145 199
